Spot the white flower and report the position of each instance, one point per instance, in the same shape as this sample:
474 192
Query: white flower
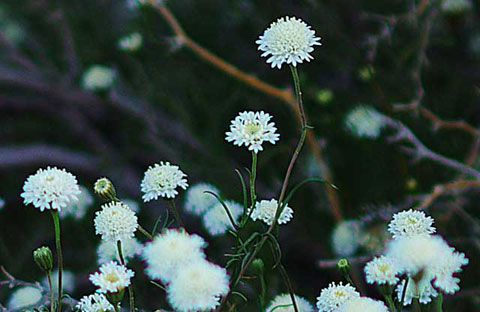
265 210
24 297
252 129
346 238
334 296
112 277
364 121
216 219
443 269
162 180
410 223
116 221
94 303
98 77
363 304
78 209
197 201
382 270
107 250
68 282
423 291
131 43
169 251
198 287
456 6
283 303
288 40
50 188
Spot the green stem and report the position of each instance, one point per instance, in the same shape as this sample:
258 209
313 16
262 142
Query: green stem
130 288
389 300
145 232
253 176
287 282
52 296
438 302
416 305
174 211
58 243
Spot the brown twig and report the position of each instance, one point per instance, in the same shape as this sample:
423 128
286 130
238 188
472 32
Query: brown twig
441 189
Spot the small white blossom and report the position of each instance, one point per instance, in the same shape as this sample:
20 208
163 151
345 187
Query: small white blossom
423 291
346 238
131 43
283 303
79 209
216 219
363 304
50 188
198 287
107 250
332 297
68 282
364 121
162 180
382 270
24 297
265 210
252 129
197 201
288 40
112 277
116 221
98 77
443 269
94 303
410 223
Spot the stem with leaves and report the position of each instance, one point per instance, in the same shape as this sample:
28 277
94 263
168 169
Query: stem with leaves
58 244
130 288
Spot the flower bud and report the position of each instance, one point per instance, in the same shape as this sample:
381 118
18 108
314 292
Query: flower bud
105 189
43 258
343 267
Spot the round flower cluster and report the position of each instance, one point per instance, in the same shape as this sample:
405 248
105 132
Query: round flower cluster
410 223
112 278
332 297
265 210
50 188
98 78
216 219
283 303
346 238
115 222
79 209
364 121
252 129
198 201
94 303
382 270
288 40
162 180
107 250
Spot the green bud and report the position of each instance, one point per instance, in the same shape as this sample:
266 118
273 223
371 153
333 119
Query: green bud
258 265
43 258
105 189
343 267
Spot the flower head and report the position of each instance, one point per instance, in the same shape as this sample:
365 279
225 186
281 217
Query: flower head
197 201
162 180
288 40
116 221
94 303
364 121
131 43
410 223
24 297
50 188
104 188
216 219
170 250
443 271
382 270
283 303
252 129
334 296
78 209
265 210
345 238
198 287
112 277
98 77
107 250
363 304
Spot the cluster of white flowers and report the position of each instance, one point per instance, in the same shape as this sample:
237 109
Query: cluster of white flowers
252 129
364 121
265 211
94 303
112 278
115 222
162 180
50 188
456 6
98 77
197 201
345 238
411 223
78 209
107 250
131 43
24 297
334 296
216 219
283 303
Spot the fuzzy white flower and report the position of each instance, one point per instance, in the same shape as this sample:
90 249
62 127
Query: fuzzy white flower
68 282
423 291
197 201
410 223
443 269
283 303
198 287
131 43
78 209
363 304
162 180
288 40
107 250
24 297
50 188
382 270
112 277
169 251
265 210
116 221
364 121
332 297
456 6
98 77
345 238
216 219
94 303
252 129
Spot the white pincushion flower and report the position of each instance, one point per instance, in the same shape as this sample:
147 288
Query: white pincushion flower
131 43
345 238
265 210
288 40
363 304
161 180
197 201
98 77
112 277
107 250
116 221
283 303
94 303
423 291
24 297
332 297
444 268
50 188
364 121
78 209
198 287
68 281
410 223
169 251
216 219
252 129
382 270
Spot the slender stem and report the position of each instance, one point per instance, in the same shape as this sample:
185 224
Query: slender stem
173 210
389 300
52 296
130 288
286 280
438 302
253 176
416 305
145 232
58 243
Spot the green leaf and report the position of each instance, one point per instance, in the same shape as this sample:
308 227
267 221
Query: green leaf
299 185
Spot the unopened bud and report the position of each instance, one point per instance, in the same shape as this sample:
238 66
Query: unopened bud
43 258
343 267
105 189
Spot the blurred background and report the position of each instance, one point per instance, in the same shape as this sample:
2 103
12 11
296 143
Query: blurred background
107 88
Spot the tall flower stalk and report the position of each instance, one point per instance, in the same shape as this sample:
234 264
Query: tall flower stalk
130 288
58 245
